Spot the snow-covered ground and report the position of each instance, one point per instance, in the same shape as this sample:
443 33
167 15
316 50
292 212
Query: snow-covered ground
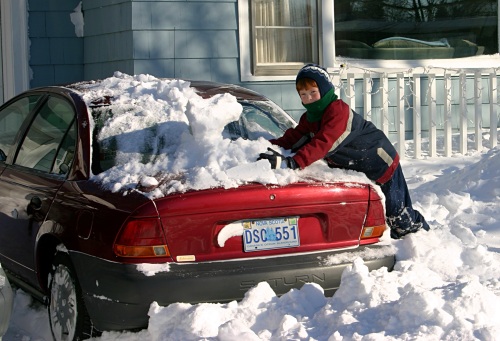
445 285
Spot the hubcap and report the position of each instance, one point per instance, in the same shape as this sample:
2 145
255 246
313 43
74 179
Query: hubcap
63 308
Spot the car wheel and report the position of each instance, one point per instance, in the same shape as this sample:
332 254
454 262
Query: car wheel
68 315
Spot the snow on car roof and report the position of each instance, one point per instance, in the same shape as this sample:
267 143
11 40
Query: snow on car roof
194 154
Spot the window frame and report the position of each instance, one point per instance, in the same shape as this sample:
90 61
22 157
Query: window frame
324 35
327 53
27 126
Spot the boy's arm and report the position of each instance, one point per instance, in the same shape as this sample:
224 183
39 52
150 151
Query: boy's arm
335 129
292 135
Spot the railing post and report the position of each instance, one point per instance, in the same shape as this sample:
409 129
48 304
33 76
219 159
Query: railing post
384 110
351 91
431 101
367 97
400 124
417 123
493 110
462 94
447 116
478 110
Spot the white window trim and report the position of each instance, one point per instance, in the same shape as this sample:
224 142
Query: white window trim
15 47
325 36
390 66
327 51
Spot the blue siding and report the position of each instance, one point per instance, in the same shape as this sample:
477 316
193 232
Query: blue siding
56 53
163 38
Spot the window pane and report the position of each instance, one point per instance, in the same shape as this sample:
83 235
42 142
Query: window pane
66 152
284 33
11 119
408 29
50 126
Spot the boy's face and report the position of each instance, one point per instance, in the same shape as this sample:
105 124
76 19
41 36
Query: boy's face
309 95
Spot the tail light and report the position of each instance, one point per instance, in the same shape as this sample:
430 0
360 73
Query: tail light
141 238
374 226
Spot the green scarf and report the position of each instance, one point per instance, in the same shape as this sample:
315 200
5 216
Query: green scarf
315 110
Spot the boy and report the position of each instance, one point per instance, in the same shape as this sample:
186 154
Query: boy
330 130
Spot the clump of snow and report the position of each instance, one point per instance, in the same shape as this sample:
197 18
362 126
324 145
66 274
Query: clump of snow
77 19
152 269
185 132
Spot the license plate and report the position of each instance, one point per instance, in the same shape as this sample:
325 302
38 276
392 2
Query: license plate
271 234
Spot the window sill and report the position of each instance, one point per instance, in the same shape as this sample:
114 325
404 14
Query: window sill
476 63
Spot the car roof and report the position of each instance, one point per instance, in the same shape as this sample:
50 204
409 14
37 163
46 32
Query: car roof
205 89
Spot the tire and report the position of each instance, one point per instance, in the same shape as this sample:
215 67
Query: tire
69 320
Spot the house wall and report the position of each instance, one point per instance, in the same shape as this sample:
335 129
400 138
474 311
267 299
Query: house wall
180 39
56 53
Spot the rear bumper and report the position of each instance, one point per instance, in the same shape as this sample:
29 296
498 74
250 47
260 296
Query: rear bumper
118 295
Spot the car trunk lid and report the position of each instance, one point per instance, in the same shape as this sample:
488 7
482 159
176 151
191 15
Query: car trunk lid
210 225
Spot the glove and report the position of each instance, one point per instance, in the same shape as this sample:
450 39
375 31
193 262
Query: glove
277 160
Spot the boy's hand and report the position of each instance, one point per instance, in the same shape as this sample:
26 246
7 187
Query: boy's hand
277 160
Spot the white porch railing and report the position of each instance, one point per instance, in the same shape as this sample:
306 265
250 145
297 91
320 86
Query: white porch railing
437 103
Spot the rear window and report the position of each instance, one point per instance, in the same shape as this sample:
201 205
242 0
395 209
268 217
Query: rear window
259 119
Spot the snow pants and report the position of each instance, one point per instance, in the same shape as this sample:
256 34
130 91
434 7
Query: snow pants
400 215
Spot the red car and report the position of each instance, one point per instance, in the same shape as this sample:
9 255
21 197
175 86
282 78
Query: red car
86 250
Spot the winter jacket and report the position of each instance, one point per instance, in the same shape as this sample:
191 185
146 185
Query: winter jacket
345 140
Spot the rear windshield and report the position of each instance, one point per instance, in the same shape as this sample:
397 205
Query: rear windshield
258 119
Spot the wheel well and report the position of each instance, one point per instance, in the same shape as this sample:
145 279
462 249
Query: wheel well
45 253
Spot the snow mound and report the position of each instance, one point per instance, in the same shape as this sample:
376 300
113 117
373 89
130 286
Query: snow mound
185 131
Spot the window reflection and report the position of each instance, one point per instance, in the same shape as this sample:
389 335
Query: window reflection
415 29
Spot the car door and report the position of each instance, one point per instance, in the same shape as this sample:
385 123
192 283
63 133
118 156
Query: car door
35 168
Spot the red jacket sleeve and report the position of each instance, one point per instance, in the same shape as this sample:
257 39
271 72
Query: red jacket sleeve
333 128
293 135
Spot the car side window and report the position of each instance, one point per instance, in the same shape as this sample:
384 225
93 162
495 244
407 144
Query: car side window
11 119
50 141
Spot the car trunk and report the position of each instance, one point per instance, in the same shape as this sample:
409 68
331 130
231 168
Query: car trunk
210 225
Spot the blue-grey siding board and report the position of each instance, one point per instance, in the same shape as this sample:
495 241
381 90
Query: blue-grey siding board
40 51
193 15
217 70
58 24
206 44
56 53
153 44
142 18
91 4
53 5
36 24
65 74
193 69
109 19
155 67
66 51
107 69
223 70
42 75
108 47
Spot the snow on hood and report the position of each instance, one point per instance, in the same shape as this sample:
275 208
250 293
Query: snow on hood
188 128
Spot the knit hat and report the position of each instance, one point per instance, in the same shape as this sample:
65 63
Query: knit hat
319 75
